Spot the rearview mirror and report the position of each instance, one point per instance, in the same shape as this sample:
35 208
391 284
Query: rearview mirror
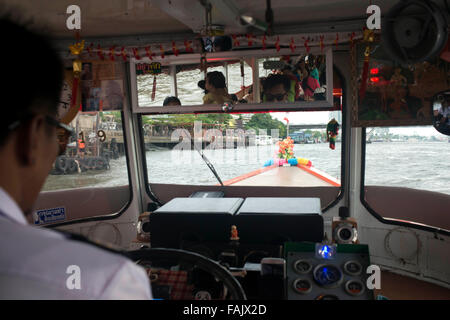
441 112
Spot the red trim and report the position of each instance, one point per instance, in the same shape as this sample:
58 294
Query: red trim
319 175
248 175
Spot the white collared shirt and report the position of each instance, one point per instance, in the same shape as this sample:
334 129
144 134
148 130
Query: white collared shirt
38 263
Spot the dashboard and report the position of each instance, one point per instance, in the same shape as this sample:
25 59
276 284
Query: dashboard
273 247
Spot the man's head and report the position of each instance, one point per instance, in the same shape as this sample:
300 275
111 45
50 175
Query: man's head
215 80
171 101
29 99
276 87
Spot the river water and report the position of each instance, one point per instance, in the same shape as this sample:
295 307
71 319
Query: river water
420 165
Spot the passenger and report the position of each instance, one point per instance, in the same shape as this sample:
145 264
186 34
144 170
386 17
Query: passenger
217 89
276 88
81 146
295 88
172 101
40 263
309 85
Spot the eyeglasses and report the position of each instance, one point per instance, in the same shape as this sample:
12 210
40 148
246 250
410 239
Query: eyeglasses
277 97
63 131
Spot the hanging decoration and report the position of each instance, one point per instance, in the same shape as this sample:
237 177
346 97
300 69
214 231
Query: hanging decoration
154 88
174 49
124 54
249 40
264 43
321 43
306 44
235 40
336 41
277 44
292 45
161 49
136 54
75 50
149 53
100 53
111 53
332 132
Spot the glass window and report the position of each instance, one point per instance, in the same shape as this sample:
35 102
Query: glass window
95 155
406 176
412 157
244 149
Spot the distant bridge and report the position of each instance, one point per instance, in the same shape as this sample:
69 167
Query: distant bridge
295 127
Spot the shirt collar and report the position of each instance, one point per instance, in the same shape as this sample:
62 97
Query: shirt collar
10 209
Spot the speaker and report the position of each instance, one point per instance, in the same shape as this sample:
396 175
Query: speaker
414 31
344 230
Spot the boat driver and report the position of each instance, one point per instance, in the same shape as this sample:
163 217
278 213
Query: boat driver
39 263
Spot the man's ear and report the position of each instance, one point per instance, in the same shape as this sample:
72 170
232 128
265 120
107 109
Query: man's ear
29 138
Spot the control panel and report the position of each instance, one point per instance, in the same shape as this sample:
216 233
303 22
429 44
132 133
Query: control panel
317 271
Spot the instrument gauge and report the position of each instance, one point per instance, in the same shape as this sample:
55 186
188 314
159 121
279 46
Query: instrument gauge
302 286
302 266
354 287
353 268
328 275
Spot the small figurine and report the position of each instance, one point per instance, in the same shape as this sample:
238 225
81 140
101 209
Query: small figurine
234 233
397 78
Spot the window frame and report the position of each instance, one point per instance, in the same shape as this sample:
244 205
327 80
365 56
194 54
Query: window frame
185 110
375 214
108 216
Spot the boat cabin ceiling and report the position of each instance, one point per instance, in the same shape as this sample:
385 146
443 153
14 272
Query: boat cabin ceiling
348 174
115 18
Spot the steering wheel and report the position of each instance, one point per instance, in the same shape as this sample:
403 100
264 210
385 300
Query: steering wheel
182 256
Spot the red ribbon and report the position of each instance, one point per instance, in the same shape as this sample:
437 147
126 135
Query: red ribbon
306 44
249 39
136 54
337 39
292 45
321 43
154 89
235 41
124 54
100 53
174 49
277 44
187 45
111 53
162 51
149 53
73 100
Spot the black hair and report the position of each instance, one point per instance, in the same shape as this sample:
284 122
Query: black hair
216 79
33 72
275 79
170 100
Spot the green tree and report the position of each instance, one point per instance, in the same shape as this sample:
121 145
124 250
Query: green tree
265 121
